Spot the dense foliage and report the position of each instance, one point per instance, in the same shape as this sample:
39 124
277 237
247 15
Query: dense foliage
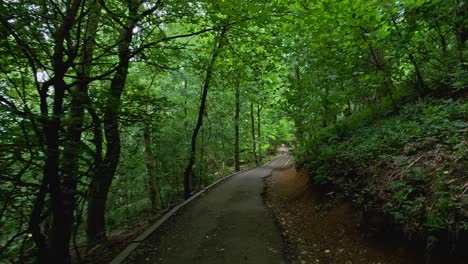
106 105
113 110
353 96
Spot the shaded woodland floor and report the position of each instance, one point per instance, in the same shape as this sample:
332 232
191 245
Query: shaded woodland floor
320 228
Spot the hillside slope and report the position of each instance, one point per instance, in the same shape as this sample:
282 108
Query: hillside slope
406 171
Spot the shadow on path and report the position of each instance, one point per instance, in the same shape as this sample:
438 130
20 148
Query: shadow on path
228 224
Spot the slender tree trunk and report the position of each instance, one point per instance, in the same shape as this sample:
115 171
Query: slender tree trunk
297 84
102 181
236 127
380 64
254 143
421 85
206 84
186 123
79 100
378 59
443 40
259 108
153 181
202 158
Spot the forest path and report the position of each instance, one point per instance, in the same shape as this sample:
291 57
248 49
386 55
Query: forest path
228 224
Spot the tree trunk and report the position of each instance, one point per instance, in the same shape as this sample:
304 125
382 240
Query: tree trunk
443 39
62 195
236 127
34 224
102 181
378 59
254 143
259 108
206 84
59 239
79 100
153 181
202 158
421 86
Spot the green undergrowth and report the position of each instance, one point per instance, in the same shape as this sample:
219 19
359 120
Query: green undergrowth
409 166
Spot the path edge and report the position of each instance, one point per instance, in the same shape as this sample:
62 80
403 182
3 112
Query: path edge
123 255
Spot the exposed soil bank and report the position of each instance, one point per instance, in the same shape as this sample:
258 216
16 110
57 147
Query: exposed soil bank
321 228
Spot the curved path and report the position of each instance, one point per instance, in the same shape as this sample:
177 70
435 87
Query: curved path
228 224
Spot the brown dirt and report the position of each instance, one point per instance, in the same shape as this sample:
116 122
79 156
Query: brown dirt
321 228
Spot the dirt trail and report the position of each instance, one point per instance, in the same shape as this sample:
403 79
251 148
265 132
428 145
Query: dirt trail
321 228
228 224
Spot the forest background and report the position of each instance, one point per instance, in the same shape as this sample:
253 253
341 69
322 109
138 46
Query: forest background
111 111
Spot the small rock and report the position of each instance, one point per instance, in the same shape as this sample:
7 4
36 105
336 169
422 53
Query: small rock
327 251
